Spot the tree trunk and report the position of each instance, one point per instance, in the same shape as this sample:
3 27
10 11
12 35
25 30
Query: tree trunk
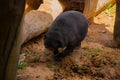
117 24
10 41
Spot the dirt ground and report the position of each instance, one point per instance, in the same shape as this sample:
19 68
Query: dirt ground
93 61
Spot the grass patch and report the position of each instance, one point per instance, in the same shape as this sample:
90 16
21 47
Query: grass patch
30 52
81 70
36 58
110 9
51 67
95 51
86 48
21 65
109 6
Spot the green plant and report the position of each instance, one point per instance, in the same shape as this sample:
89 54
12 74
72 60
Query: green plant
30 52
109 6
21 65
36 58
86 48
81 70
51 67
95 51
110 9
114 7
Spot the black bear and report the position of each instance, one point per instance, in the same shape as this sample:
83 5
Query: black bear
67 31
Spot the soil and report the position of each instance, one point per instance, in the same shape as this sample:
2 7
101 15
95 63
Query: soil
93 61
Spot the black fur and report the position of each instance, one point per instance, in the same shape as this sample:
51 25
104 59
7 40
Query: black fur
68 30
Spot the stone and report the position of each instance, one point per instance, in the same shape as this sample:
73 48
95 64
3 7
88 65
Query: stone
34 24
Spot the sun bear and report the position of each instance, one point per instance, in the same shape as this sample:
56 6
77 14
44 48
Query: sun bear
67 31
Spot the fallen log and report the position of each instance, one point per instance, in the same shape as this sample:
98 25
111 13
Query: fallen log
38 21
34 24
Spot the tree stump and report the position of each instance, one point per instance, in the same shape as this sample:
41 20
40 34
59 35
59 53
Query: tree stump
10 18
116 34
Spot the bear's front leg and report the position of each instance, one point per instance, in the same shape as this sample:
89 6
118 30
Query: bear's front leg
64 53
55 51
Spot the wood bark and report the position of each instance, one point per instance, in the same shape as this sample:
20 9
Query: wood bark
10 18
117 24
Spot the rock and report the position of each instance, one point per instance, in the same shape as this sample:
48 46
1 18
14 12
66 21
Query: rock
34 24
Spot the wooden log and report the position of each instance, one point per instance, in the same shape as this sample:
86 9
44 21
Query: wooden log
34 24
10 41
90 8
38 21
94 7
